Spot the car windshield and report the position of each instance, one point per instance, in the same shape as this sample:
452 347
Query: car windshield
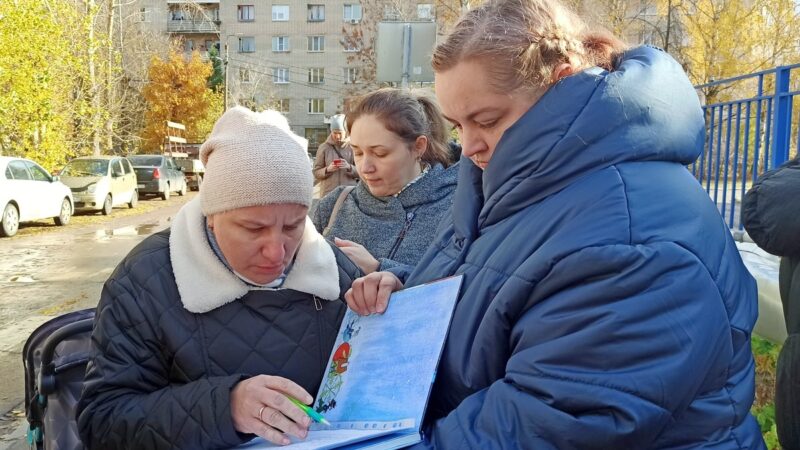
144 160
86 168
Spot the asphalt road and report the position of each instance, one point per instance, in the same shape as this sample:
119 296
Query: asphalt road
60 269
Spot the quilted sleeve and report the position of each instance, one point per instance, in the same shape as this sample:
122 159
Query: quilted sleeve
603 352
127 399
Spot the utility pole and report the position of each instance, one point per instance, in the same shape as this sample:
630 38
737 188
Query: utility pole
406 55
225 67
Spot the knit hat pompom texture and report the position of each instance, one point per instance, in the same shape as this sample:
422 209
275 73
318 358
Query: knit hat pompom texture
254 159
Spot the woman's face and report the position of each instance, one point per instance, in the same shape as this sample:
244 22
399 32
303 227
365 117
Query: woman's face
384 161
480 114
259 242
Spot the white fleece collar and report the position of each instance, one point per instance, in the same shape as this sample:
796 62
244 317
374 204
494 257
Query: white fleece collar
204 282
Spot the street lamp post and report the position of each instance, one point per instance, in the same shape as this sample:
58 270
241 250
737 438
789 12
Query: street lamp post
225 66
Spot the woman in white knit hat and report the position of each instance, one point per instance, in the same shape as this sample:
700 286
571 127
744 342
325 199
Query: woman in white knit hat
204 331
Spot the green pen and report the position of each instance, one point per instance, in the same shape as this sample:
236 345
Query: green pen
317 417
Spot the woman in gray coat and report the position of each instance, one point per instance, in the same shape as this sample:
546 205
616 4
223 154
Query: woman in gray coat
399 140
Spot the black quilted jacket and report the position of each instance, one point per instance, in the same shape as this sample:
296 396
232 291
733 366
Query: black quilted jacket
163 376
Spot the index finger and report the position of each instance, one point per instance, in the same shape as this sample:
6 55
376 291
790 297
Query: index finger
288 387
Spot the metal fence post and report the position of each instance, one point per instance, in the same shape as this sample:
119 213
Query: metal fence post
782 118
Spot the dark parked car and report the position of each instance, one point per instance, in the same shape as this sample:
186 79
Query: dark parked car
158 175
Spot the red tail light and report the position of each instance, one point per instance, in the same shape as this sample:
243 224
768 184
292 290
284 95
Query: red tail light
156 174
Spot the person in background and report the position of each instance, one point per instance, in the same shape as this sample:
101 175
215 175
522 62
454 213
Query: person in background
771 216
205 330
604 303
333 166
399 139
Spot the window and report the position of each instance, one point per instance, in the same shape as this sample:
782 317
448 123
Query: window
245 76
316 13
280 75
316 136
316 106
281 104
177 14
127 166
116 168
188 46
316 75
390 12
247 44
425 11
351 45
144 14
280 43
247 13
350 75
352 12
316 43
18 170
280 13
37 173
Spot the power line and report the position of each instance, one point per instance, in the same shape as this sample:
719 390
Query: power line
303 70
285 65
309 85
312 86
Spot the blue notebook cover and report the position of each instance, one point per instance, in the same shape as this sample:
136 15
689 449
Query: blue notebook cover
381 371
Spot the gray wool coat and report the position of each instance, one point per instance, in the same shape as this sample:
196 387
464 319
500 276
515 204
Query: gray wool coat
395 230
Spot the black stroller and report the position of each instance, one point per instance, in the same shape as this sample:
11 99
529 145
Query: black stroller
55 357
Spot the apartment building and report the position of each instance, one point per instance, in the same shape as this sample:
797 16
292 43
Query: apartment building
286 54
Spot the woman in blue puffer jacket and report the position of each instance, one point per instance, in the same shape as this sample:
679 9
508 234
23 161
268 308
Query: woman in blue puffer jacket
604 304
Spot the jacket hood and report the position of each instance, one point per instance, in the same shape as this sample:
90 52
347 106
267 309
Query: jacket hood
644 110
438 183
205 283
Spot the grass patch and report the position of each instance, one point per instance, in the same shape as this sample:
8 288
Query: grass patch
766 357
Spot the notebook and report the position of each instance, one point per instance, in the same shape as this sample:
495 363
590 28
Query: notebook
380 372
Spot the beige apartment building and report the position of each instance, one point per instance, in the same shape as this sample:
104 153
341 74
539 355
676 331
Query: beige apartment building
287 54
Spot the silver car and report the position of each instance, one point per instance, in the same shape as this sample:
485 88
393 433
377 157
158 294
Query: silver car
100 183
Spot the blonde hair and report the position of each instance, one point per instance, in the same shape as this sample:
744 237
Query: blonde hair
521 42
409 115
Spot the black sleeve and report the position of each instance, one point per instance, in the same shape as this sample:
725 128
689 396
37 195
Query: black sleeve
769 210
128 400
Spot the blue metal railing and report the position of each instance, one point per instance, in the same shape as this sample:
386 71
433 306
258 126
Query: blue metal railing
751 124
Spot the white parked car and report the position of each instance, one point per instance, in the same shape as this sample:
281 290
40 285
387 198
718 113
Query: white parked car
100 183
28 192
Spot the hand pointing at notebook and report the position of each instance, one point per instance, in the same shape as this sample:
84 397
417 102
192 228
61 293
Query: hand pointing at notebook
261 405
370 294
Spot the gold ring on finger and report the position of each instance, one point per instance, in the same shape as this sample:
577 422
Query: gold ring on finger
261 413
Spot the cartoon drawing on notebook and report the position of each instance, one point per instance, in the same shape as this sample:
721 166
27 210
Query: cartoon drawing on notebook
334 378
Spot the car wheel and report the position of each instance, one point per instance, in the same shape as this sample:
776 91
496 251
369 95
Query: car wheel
10 222
134 200
66 213
199 182
182 192
107 205
165 194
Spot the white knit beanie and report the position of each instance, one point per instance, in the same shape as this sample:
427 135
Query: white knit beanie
254 159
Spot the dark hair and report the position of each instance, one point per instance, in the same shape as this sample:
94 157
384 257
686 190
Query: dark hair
409 115
522 41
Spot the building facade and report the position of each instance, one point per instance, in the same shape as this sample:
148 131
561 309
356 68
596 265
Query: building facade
284 54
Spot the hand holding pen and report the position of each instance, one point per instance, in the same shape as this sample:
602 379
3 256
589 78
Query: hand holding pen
270 407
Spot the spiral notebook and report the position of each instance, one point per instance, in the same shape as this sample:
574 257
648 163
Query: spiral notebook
380 372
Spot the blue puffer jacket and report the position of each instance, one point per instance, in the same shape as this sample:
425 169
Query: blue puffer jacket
604 304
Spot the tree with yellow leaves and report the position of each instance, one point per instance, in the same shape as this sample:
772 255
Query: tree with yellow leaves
36 64
177 90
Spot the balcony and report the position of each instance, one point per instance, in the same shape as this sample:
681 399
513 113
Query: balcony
193 26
